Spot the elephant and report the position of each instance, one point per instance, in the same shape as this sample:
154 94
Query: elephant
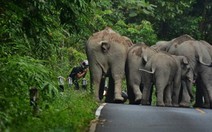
135 79
201 91
106 51
199 97
201 60
187 78
165 45
133 76
199 56
165 72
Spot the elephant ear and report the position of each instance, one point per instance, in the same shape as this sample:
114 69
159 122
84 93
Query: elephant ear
185 61
105 46
203 54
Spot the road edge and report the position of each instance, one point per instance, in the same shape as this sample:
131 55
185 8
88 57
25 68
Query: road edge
95 121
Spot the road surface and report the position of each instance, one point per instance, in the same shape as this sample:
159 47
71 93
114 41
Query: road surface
138 118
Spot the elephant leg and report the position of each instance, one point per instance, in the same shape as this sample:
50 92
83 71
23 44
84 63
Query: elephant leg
146 94
206 98
118 73
185 98
118 87
110 91
206 84
151 93
160 87
137 92
96 77
117 91
202 95
101 89
176 89
207 95
199 93
144 100
168 95
147 89
131 95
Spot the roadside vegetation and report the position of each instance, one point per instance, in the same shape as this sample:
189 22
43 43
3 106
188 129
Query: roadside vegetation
41 40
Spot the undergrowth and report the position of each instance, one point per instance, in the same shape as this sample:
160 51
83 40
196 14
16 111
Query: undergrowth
71 110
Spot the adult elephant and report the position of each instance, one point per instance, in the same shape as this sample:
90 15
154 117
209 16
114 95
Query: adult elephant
165 45
199 56
107 52
202 97
133 75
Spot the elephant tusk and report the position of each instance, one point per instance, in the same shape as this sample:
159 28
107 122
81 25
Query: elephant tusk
105 92
151 72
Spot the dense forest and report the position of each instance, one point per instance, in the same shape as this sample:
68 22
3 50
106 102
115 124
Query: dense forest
43 39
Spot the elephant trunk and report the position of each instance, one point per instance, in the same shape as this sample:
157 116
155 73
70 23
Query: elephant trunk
189 83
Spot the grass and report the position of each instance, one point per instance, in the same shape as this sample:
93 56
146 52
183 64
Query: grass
72 110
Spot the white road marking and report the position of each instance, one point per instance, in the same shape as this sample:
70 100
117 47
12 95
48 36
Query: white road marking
199 110
95 121
98 111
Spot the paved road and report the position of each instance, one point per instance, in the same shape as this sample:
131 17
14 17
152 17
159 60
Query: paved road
137 118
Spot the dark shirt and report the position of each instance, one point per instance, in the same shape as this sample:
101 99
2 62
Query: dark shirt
75 71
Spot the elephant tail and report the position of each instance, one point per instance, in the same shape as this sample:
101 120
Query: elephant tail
151 72
105 46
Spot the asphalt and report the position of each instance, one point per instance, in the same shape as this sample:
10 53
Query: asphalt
138 118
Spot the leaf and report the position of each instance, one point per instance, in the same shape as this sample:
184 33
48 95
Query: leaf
133 14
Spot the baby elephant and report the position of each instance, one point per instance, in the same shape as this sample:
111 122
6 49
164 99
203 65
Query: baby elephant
187 79
165 72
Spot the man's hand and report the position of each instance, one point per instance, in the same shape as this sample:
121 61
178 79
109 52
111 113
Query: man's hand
85 70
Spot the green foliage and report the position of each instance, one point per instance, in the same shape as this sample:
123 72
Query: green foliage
30 28
133 10
190 27
174 18
67 112
139 33
18 74
168 9
125 18
75 57
34 51
40 40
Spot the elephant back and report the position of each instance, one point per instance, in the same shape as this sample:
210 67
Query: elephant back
109 36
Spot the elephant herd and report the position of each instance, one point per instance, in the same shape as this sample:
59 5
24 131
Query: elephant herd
173 67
